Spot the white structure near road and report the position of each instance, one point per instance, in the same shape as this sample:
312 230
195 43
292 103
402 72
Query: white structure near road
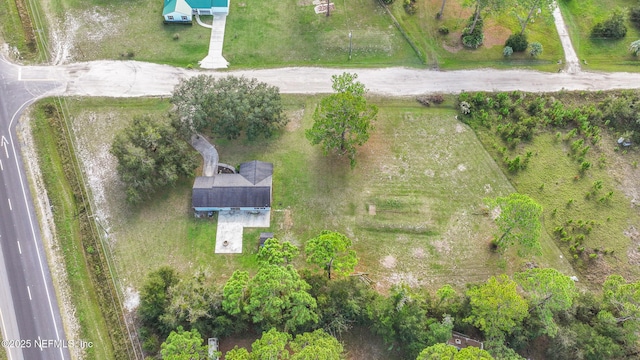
182 11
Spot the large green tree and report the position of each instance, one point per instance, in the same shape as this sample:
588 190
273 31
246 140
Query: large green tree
518 221
448 352
317 345
276 252
235 294
496 306
332 251
150 155
342 121
184 345
155 298
276 345
227 107
549 292
622 302
271 345
402 319
279 298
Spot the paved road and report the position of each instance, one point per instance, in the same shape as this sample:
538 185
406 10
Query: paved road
134 79
29 313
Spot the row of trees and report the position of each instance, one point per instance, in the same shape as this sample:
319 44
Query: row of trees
535 306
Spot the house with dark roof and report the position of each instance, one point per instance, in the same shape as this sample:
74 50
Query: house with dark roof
182 11
249 189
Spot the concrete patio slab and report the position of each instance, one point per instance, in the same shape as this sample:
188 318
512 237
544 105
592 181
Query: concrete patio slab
231 225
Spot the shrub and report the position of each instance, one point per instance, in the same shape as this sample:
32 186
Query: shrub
517 42
473 39
535 49
465 107
176 36
507 51
410 7
612 28
634 16
634 47
443 30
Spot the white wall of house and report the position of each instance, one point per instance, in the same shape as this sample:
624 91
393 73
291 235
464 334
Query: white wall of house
178 17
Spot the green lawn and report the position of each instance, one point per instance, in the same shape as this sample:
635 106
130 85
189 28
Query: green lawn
258 34
594 225
69 234
425 173
289 33
607 55
446 51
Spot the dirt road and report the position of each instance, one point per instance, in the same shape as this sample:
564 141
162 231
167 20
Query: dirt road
135 79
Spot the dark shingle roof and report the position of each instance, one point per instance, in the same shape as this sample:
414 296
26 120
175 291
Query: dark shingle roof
250 188
256 171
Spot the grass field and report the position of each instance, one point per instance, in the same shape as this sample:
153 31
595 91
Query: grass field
446 51
607 55
425 173
289 33
69 234
258 34
597 208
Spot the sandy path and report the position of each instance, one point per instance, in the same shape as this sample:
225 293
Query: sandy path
571 59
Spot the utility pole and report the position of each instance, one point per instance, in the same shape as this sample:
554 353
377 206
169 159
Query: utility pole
350 43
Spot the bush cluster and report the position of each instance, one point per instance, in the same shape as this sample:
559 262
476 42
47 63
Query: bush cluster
473 39
410 6
612 28
517 42
634 15
427 100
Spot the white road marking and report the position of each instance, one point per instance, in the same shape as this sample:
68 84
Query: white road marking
29 290
1 167
19 248
10 208
4 145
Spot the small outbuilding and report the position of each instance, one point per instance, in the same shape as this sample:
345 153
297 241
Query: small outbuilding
248 190
461 341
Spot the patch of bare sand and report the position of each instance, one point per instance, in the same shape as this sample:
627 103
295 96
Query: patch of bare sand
295 120
633 252
287 223
495 34
418 253
398 278
389 262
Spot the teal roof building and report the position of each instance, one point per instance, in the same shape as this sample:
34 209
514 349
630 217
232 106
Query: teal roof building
182 11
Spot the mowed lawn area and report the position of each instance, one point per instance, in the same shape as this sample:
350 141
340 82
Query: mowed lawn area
600 54
258 34
425 173
290 33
